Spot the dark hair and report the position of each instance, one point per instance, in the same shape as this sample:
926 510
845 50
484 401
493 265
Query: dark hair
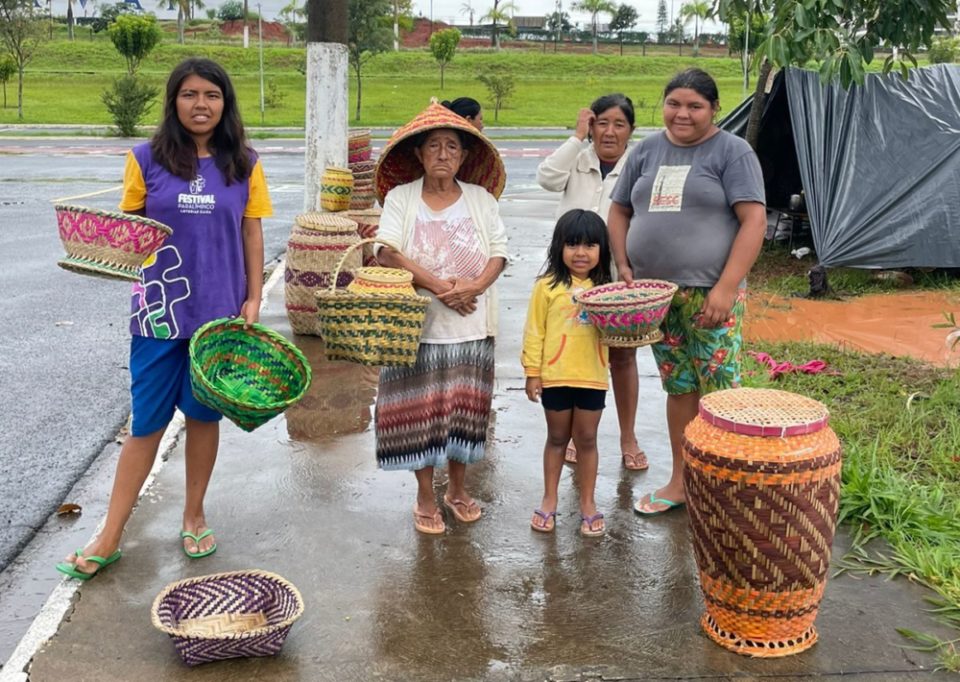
467 107
697 80
616 99
574 227
174 148
466 139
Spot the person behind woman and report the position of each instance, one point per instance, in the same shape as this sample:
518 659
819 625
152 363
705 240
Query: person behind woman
447 231
585 169
468 108
565 363
689 208
197 175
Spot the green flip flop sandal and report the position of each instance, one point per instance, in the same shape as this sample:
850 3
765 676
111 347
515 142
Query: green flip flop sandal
197 539
652 499
71 569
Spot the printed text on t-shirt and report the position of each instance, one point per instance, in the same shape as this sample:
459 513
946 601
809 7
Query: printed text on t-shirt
667 192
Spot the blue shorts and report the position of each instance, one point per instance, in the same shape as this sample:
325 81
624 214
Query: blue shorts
561 398
160 383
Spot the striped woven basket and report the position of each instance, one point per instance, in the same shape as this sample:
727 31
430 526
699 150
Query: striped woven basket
379 324
317 242
248 375
336 186
367 220
227 615
762 475
105 243
628 315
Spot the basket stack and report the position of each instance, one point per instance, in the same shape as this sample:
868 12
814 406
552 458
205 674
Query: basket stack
227 615
762 475
628 315
359 149
317 243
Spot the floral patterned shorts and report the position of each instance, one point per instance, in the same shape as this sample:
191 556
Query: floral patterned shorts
694 359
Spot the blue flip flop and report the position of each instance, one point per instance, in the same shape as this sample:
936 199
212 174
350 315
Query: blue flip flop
71 569
653 499
197 539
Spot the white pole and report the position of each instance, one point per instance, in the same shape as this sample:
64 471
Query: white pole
746 56
260 33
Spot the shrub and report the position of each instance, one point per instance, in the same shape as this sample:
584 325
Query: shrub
128 101
134 37
943 51
230 10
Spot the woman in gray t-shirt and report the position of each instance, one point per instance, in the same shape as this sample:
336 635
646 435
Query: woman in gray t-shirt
689 208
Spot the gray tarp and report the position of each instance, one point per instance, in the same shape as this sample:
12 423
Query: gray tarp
879 164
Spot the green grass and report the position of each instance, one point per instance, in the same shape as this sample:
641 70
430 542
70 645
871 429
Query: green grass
898 422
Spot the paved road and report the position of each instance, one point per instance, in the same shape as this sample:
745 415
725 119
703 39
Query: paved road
63 338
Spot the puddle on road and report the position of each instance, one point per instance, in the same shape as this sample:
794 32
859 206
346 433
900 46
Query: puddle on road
900 324
340 399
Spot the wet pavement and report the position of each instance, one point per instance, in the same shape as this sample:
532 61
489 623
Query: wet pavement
302 497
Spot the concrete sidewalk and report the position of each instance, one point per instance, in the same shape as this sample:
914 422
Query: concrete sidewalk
302 497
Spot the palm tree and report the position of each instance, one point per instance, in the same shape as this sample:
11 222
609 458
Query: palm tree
499 14
595 7
467 8
699 11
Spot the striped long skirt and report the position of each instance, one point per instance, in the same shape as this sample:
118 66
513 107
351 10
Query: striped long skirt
438 409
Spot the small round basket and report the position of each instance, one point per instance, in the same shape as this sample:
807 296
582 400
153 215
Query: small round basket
628 315
105 243
227 615
248 375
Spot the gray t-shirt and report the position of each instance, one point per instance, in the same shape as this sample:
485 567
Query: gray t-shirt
683 223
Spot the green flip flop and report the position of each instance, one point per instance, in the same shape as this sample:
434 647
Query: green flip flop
197 539
652 499
71 569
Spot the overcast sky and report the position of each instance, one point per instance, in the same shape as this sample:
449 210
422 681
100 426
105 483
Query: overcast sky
450 11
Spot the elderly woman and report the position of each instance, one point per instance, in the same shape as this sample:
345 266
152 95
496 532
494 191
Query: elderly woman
438 179
585 169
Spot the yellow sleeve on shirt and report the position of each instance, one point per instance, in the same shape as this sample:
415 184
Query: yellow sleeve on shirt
535 330
258 203
134 188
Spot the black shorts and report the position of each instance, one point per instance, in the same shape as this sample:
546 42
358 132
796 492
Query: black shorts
560 398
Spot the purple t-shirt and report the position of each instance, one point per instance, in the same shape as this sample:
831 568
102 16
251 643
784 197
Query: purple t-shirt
198 274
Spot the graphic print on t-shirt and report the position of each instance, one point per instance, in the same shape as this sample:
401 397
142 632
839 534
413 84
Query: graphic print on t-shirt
666 195
196 202
154 298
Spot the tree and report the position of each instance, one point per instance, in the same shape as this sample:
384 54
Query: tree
840 36
595 7
402 18
736 34
557 24
500 85
943 51
677 34
498 14
467 8
8 67
698 11
367 35
443 45
623 20
21 32
128 101
293 16
134 37
231 10
663 21
108 15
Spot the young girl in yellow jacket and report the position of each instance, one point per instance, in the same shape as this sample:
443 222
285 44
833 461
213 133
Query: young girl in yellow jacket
565 364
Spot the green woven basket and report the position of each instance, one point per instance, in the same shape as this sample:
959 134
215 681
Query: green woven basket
248 375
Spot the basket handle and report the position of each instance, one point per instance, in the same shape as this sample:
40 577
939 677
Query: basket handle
346 253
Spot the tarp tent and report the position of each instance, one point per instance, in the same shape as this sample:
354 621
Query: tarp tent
879 164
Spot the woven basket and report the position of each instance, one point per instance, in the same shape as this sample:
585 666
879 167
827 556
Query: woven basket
762 475
377 326
227 615
628 315
248 375
105 243
336 186
317 242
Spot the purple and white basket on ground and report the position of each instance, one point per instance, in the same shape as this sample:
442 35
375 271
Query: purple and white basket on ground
238 614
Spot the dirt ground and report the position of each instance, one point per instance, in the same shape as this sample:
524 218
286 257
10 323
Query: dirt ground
900 324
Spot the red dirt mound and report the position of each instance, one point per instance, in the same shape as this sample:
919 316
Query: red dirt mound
272 30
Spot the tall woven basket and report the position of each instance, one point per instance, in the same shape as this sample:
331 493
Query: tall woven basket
376 321
227 615
317 243
762 478
368 220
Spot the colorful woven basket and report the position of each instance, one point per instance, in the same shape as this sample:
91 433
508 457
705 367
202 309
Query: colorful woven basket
628 315
248 375
105 243
397 164
359 145
336 186
227 615
317 242
378 325
762 478
367 220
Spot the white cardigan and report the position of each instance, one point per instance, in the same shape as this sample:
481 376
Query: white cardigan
400 214
574 169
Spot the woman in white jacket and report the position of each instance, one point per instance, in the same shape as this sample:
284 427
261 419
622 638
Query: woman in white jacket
585 169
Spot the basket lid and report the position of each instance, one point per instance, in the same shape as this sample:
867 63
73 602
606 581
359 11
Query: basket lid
763 412
314 220
384 275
